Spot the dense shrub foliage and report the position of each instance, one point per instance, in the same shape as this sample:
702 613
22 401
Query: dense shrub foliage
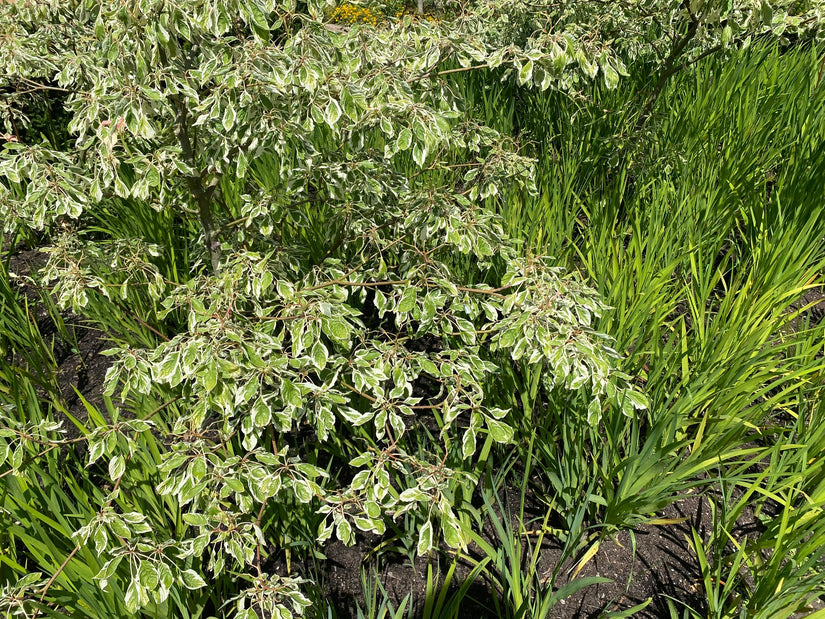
321 307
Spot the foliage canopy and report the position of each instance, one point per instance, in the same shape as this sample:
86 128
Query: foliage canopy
349 284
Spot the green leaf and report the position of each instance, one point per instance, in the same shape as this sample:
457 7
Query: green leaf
350 108
100 28
132 598
241 165
578 584
594 412
500 431
628 409
525 73
261 413
404 139
324 531
303 491
291 394
117 466
148 575
166 578
468 442
332 113
101 539
355 417
466 331
343 531
451 529
228 117
306 78
766 11
209 376
407 301
335 328
195 519
320 354
611 77
413 495
325 422
260 24
420 152
727 34
425 539
198 468
508 338
120 528
429 367
637 399
191 580
363 524
109 568
373 510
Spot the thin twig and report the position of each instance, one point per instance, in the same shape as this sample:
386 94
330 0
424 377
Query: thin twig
63 565
447 72
38 86
363 395
258 548
493 293
338 282
160 408
54 577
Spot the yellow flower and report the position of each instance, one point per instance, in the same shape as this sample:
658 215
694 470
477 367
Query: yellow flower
352 14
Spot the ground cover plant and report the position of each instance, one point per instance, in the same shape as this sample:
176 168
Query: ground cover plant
319 254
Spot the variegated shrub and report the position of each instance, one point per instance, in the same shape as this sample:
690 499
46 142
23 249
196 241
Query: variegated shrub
348 286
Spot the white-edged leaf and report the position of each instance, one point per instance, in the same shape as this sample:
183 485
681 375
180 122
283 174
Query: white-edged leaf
425 539
229 116
525 72
500 431
191 579
611 76
117 466
320 354
404 139
332 113
637 399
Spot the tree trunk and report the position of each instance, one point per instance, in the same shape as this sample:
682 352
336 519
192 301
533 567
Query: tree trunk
213 245
202 195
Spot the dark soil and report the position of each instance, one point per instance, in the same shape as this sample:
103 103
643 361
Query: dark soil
663 565
79 366
651 563
814 301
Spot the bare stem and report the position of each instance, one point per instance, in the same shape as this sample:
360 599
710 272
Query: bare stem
671 67
202 195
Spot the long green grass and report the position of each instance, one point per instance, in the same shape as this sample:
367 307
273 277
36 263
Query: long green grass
704 235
